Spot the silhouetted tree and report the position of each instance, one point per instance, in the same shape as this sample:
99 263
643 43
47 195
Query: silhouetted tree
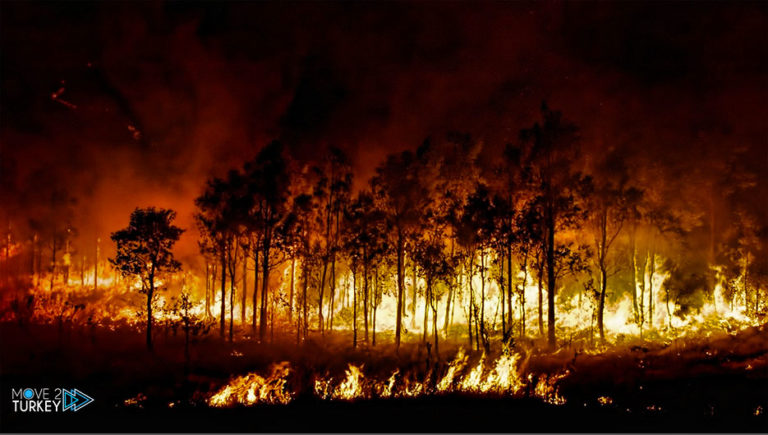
610 203
267 183
331 190
475 236
144 251
403 187
431 257
214 219
364 241
401 197
552 153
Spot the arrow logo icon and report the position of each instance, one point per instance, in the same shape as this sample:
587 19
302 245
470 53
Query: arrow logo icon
74 399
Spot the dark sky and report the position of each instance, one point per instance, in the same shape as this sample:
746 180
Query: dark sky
128 104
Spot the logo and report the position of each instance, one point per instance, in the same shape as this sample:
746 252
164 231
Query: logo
75 399
49 399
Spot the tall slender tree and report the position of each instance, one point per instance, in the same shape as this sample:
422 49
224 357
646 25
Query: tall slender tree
401 197
552 158
144 251
267 183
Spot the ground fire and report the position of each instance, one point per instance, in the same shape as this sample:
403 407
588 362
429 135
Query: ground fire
482 220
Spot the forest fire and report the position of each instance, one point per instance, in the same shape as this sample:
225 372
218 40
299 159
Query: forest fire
323 217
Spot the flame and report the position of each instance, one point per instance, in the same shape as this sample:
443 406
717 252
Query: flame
252 388
505 376
472 381
136 401
455 367
546 389
605 400
352 387
502 377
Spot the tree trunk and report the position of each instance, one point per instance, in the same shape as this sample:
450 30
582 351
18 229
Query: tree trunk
541 295
149 320
365 296
471 299
375 304
150 293
601 254
207 288
453 303
414 289
290 296
264 286
244 299
641 299
306 272
400 285
449 298
477 326
652 270
483 333
448 304
509 285
711 253
272 312
601 303
223 291
255 301
551 283
332 285
503 296
299 316
354 309
320 300
632 271
426 313
232 271
434 325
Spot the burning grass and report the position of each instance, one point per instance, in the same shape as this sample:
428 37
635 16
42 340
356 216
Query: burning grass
502 376
724 375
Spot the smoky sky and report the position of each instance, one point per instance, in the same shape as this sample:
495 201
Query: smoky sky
129 104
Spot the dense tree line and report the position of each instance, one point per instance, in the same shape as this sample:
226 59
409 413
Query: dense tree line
449 224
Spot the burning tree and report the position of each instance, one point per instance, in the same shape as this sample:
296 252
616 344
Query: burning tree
267 183
553 148
334 190
365 244
402 197
144 251
215 226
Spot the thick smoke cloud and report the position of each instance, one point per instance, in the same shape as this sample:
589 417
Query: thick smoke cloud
136 104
